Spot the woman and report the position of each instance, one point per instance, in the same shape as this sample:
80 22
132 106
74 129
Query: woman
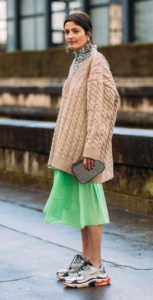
83 130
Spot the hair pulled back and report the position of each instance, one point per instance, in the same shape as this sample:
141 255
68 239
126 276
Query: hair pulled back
82 19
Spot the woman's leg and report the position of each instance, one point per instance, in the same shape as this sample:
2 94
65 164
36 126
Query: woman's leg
95 240
85 243
91 244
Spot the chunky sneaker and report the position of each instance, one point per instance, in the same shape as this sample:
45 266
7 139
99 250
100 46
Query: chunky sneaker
87 275
76 263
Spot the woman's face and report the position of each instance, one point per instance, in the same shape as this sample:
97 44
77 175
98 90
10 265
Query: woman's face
75 36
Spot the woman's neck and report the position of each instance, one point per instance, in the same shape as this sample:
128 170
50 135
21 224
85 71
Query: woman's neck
85 49
82 54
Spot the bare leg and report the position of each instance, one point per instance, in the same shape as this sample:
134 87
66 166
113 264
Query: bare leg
85 243
95 240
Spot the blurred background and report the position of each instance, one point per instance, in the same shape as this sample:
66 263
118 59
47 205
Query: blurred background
38 24
33 68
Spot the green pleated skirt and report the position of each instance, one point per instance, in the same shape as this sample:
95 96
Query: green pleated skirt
74 204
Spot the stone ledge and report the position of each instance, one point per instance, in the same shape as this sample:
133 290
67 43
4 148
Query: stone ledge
121 81
124 118
26 90
56 89
130 146
29 113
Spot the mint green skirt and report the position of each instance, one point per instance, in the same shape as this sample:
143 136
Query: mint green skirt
74 204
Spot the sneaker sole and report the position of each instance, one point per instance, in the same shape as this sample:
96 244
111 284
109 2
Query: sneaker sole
89 283
60 277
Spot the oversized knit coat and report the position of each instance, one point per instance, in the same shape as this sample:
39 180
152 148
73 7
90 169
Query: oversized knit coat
86 118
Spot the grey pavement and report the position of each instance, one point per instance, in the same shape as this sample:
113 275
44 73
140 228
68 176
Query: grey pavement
32 251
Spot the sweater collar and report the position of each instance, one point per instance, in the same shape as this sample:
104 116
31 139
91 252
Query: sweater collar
85 50
82 54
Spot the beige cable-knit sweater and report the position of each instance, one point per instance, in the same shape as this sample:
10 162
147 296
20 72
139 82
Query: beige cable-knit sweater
86 118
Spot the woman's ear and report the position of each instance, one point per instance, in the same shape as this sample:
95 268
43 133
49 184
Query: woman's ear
89 33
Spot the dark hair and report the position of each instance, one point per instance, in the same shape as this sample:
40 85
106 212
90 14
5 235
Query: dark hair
82 19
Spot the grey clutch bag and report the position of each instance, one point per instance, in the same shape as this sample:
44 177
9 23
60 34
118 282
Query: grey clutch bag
84 175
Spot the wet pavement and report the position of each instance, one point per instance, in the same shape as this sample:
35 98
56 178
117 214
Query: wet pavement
31 252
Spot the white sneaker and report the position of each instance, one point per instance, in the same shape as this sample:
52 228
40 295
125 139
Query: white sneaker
76 263
87 275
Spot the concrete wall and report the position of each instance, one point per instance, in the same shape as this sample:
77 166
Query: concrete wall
24 151
39 99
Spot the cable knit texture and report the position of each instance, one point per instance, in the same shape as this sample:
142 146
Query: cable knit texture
86 118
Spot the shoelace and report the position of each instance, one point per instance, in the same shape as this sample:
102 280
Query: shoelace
85 264
74 260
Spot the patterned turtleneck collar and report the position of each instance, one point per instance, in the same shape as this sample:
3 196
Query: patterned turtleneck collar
83 53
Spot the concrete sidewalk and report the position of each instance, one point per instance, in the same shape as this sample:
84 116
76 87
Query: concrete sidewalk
32 251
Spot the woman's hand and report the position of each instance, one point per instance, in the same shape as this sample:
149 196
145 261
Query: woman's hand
88 163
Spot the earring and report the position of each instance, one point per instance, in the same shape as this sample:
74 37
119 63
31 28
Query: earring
88 39
67 49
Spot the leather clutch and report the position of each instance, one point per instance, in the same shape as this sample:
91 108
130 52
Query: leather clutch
84 175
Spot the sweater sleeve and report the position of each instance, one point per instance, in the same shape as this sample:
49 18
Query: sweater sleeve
99 112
